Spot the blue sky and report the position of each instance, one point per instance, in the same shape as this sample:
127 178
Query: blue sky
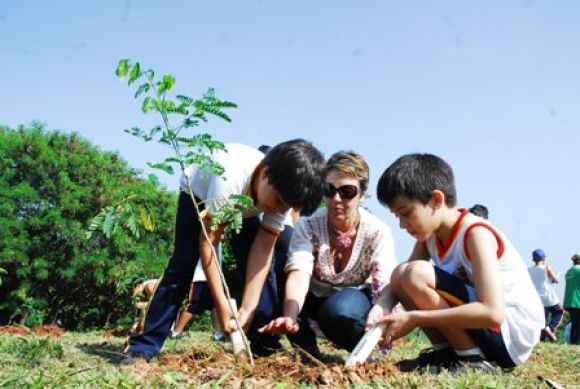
492 87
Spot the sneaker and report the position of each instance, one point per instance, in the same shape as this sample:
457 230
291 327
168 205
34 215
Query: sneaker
472 363
550 334
175 335
265 348
308 353
429 360
132 358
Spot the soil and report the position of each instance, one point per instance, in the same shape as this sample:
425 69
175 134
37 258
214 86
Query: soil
14 330
219 365
48 330
44 330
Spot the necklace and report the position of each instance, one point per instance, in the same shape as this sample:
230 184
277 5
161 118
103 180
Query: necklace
343 239
342 242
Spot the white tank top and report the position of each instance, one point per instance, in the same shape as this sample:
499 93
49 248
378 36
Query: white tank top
524 313
543 285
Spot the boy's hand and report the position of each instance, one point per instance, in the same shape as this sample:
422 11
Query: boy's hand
375 315
281 325
224 315
244 318
398 325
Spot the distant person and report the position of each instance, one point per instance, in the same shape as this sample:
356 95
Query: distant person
480 210
289 176
464 284
572 298
543 278
199 301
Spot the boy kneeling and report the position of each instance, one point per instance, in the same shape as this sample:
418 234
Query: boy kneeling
475 301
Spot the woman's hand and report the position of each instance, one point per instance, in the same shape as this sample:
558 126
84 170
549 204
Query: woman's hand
281 325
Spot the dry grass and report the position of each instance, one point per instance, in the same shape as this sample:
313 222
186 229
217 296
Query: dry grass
91 360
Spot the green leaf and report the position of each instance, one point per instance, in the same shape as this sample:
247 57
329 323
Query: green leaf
150 74
135 73
165 85
153 179
122 68
109 223
146 105
184 99
142 89
162 166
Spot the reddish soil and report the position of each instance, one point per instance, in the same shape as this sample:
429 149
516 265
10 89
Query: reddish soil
48 330
45 330
14 330
204 366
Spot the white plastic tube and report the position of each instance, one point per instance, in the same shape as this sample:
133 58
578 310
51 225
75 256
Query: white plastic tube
366 345
236 336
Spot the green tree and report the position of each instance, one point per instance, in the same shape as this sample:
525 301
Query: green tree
51 186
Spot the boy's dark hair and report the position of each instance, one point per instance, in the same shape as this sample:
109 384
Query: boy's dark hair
295 170
416 176
479 210
265 148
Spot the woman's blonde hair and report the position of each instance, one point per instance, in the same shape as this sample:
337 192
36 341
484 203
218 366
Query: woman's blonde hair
350 163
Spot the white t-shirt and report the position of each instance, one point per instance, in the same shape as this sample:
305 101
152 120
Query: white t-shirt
370 265
543 285
239 163
524 313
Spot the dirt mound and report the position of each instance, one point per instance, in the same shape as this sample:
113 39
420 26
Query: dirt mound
48 330
14 330
203 367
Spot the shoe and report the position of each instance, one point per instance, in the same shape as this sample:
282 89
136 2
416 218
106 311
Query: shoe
472 363
219 336
132 358
550 334
308 354
429 360
175 335
265 349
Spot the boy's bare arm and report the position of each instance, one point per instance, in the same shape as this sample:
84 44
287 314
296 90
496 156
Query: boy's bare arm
419 252
551 275
488 311
259 261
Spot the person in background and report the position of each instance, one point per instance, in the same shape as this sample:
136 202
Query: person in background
340 259
572 298
464 284
199 301
480 210
543 278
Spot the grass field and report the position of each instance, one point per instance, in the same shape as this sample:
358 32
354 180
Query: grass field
53 360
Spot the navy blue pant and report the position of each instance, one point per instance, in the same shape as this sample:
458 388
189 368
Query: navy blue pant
176 280
575 319
340 316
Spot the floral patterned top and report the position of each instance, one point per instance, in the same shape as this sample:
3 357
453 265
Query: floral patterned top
369 266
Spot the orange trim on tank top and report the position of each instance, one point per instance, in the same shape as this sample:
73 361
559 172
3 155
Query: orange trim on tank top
443 250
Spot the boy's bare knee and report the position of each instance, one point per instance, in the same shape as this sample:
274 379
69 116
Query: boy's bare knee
418 275
397 275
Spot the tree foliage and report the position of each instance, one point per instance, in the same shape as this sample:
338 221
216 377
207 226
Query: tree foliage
52 185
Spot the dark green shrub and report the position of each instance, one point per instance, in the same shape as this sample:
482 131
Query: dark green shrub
51 185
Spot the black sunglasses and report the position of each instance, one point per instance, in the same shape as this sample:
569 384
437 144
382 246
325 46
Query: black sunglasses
347 192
